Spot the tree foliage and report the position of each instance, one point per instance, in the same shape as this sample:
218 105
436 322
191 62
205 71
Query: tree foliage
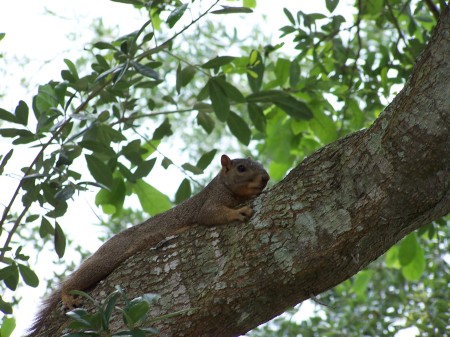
173 80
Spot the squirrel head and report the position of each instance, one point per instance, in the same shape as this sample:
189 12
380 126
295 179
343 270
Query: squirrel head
245 178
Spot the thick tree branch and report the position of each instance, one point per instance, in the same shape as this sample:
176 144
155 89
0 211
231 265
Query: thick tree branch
339 210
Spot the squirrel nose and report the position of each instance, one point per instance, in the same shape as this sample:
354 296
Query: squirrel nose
265 178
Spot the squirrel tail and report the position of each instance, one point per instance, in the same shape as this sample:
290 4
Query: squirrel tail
48 305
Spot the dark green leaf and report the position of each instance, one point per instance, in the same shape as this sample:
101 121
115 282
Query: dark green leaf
11 133
257 116
230 91
184 76
46 228
331 5
218 62
289 15
206 159
219 100
239 128
286 102
104 45
415 268
60 240
294 108
29 276
112 200
72 68
176 15
5 307
5 161
145 70
205 121
144 169
10 275
255 72
233 10
163 130
183 192
99 170
152 200
7 116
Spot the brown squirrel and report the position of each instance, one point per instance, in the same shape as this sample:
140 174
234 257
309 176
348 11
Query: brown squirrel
238 181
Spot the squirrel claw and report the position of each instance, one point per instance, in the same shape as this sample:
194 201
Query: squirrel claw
244 213
71 301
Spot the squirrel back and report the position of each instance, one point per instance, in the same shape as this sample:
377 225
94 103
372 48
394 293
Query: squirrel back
238 181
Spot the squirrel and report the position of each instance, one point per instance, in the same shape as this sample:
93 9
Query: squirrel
238 181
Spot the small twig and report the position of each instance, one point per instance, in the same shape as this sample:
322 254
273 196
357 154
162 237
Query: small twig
316 300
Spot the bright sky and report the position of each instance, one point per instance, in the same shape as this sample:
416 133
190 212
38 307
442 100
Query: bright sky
43 41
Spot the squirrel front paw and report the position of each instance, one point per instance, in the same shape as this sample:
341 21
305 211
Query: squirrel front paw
242 214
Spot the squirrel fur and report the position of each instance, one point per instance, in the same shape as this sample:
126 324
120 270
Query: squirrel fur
238 181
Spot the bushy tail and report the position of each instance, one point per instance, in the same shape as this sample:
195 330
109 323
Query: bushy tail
48 305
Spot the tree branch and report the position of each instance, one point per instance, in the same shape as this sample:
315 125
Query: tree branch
343 207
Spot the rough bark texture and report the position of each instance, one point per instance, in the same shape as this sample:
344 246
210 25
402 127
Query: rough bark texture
340 209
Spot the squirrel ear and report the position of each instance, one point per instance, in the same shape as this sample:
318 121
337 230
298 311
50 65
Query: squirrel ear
225 161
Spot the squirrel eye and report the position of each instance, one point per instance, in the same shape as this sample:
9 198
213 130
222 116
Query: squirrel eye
241 168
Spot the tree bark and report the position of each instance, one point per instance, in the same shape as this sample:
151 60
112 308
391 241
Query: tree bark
343 207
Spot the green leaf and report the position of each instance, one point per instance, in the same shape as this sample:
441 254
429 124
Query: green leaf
8 326
239 128
145 70
28 275
183 192
218 62
294 73
152 200
206 159
99 170
112 200
5 160
331 5
176 15
249 3
257 116
45 228
219 100
205 121
60 241
361 281
137 312
408 248
415 268
7 116
192 168
233 10
323 127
